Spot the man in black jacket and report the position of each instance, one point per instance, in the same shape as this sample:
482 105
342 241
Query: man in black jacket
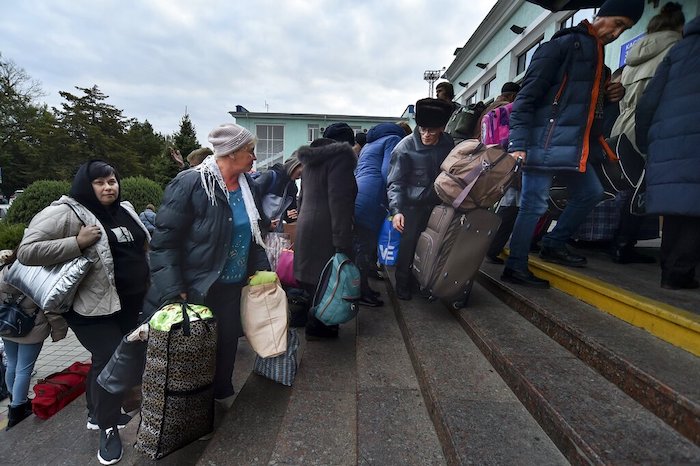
415 163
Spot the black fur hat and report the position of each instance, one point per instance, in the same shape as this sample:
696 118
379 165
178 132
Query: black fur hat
341 132
433 113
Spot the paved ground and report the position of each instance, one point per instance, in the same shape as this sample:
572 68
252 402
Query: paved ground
54 357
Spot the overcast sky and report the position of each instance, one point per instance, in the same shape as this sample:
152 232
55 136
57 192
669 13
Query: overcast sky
157 58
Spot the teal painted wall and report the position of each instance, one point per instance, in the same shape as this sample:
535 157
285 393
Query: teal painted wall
296 130
504 68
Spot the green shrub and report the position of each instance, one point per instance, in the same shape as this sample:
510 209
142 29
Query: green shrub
10 235
35 197
141 191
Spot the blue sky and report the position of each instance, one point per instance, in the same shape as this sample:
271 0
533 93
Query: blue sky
157 58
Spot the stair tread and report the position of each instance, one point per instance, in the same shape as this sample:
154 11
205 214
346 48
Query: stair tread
643 279
658 358
579 408
476 413
394 426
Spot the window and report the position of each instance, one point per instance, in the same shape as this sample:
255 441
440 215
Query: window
471 99
356 129
577 17
487 88
525 58
270 145
314 132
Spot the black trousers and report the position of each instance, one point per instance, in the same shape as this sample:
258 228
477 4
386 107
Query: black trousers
415 220
630 225
680 248
224 300
508 215
101 336
365 254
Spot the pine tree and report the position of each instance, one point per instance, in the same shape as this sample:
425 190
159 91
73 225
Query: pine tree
186 138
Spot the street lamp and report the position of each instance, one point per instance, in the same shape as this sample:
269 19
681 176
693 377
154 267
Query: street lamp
431 76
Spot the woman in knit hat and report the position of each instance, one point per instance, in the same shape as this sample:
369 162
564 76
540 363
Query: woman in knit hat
209 240
278 189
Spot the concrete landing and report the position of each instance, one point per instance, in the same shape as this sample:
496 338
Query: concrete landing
630 292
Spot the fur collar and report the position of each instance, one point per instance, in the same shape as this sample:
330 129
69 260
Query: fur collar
319 155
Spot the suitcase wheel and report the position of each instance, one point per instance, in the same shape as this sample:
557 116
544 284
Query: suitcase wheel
462 302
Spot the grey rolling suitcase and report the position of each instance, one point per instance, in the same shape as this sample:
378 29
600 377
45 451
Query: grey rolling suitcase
450 251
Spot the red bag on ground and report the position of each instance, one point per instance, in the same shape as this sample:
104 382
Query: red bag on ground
58 389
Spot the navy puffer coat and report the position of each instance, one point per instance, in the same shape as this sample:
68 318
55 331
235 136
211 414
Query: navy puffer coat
553 115
668 129
371 204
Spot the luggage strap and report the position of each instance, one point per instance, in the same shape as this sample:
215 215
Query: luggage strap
473 176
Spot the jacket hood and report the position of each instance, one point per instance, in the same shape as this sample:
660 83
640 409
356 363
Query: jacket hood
81 190
319 155
650 46
385 129
693 27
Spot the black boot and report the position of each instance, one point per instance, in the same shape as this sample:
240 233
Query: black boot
17 414
627 254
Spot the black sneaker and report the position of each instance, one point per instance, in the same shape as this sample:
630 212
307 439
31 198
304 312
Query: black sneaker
121 422
562 256
110 451
523 278
371 301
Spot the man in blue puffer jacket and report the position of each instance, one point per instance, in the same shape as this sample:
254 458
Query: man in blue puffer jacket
556 128
668 131
371 204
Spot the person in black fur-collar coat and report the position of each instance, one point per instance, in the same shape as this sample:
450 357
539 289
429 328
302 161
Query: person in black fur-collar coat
325 223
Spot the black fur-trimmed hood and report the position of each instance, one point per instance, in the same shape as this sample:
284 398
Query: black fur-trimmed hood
322 154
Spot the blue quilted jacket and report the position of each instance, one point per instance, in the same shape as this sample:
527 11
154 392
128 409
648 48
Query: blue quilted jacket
372 170
668 129
553 114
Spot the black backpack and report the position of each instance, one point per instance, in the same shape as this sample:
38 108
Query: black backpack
462 124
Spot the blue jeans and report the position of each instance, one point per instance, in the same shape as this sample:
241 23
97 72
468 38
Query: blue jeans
20 364
584 192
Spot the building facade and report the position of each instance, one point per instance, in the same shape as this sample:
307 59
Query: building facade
280 134
502 46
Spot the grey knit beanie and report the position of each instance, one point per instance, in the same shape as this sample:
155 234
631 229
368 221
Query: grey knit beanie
291 164
228 138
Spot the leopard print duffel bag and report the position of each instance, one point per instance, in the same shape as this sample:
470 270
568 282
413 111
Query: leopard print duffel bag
178 381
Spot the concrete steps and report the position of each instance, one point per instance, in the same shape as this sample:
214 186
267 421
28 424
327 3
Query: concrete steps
355 401
590 419
630 292
660 376
478 418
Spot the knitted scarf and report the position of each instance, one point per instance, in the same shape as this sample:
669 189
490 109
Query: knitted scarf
211 177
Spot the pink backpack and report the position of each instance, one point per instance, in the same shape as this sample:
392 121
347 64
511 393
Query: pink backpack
495 126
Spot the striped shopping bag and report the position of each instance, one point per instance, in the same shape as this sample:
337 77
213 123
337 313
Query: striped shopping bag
282 368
